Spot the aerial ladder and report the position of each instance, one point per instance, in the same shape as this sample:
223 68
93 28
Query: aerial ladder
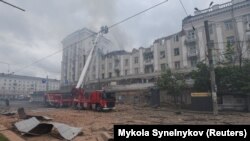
104 30
95 99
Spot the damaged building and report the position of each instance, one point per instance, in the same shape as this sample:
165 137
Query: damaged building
180 52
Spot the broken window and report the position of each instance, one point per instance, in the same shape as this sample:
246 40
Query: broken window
148 56
162 54
176 52
230 40
136 60
191 34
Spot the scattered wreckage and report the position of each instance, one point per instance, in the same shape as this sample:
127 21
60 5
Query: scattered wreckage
39 125
22 115
33 126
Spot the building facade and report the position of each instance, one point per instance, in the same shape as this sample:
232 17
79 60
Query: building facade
76 48
229 24
16 85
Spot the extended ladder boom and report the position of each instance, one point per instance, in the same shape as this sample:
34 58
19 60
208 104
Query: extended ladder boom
104 30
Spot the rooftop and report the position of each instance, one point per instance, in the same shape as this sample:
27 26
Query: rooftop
4 75
216 10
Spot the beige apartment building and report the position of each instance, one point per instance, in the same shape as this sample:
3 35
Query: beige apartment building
12 86
229 23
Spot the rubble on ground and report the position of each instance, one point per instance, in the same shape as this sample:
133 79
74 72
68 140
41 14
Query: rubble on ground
22 115
33 126
96 126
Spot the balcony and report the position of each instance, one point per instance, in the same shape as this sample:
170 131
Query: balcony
193 53
117 68
148 61
190 41
148 57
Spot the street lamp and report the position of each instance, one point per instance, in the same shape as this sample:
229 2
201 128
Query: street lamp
196 9
211 4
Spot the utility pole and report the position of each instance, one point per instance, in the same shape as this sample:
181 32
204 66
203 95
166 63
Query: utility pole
211 69
47 84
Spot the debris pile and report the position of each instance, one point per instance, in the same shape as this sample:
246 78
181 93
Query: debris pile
22 115
33 126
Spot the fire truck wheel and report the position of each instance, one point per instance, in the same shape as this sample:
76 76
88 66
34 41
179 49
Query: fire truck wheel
79 106
98 108
75 106
60 105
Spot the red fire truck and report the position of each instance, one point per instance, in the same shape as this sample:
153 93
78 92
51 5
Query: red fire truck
58 98
99 100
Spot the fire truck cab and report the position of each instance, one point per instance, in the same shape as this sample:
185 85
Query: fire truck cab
98 100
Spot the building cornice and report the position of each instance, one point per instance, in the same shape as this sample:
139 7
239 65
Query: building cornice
219 10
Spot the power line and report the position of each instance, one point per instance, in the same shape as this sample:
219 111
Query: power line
12 5
126 19
113 25
186 12
54 53
183 7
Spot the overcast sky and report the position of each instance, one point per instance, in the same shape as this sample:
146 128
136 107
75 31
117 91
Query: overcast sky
28 36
